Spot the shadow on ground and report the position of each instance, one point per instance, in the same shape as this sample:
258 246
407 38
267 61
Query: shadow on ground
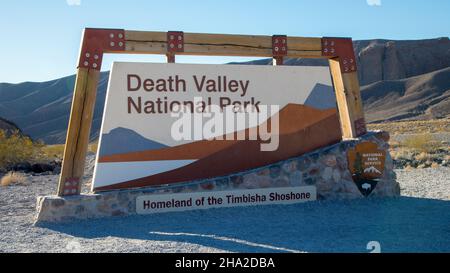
398 224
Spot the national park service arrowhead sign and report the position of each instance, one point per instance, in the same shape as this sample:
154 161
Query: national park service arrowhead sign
366 164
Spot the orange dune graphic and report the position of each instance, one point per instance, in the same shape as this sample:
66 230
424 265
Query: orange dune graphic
301 130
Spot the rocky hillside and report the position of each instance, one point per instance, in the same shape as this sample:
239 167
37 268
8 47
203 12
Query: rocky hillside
380 60
42 110
8 126
401 80
422 97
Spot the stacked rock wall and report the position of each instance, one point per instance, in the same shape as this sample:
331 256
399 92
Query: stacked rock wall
326 168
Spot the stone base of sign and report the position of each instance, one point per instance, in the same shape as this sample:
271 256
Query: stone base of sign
326 168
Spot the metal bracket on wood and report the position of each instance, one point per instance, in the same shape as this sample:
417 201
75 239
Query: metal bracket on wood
71 186
98 41
279 48
341 48
175 43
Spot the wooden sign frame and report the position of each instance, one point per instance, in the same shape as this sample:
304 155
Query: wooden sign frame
96 42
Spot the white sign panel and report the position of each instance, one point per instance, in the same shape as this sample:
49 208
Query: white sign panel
143 143
221 199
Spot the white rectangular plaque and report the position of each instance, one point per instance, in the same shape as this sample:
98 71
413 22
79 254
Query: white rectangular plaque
156 203
138 146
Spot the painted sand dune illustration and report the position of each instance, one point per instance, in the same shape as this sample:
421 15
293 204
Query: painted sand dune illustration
301 130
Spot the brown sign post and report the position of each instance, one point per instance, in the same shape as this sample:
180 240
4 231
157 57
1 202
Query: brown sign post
96 42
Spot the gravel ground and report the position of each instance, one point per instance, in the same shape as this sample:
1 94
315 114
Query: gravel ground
419 221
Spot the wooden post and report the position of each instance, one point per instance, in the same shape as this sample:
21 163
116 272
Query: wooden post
77 140
348 99
94 43
343 69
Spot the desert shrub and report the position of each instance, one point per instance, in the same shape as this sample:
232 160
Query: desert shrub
12 178
93 147
401 153
423 156
57 151
16 148
421 142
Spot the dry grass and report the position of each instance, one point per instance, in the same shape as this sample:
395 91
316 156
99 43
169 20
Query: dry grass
397 152
413 127
12 178
434 165
53 151
423 143
16 148
423 156
93 147
57 150
417 144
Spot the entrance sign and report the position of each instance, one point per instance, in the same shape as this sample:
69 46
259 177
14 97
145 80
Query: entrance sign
143 143
366 164
95 42
179 137
205 200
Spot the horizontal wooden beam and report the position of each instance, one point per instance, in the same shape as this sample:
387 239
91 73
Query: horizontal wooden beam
148 42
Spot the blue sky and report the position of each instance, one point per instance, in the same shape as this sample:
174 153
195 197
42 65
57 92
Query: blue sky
40 39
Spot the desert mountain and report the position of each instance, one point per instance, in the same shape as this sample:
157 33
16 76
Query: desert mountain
380 60
41 110
421 97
